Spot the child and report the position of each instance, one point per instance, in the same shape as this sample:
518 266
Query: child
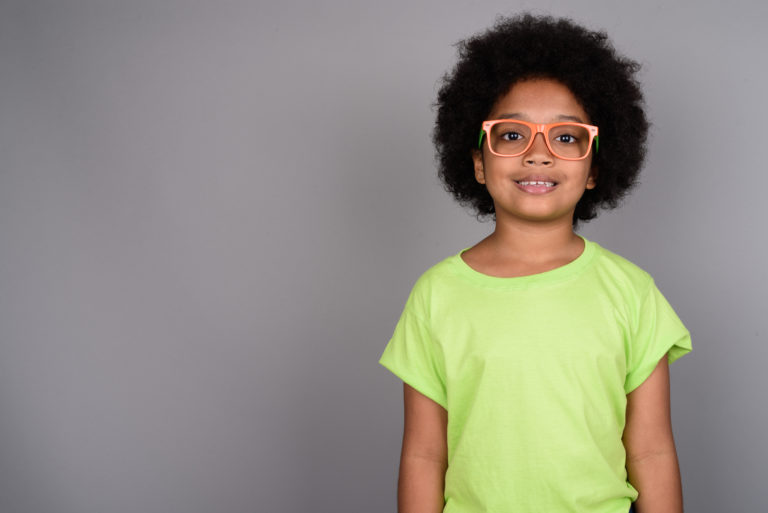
535 363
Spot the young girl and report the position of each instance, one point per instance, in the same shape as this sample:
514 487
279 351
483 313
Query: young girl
535 363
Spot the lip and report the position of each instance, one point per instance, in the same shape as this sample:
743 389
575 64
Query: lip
532 188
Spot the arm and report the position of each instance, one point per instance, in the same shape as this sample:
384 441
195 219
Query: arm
424 457
651 457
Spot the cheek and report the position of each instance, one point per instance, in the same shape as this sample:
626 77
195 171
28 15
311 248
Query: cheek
586 174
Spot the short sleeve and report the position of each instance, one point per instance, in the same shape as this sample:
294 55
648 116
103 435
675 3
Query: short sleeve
414 356
657 331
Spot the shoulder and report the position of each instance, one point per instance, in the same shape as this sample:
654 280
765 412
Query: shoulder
440 272
435 284
612 267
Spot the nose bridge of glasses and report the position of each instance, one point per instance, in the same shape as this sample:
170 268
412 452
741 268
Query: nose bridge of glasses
544 143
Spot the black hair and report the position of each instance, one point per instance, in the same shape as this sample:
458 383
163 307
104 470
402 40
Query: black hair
525 47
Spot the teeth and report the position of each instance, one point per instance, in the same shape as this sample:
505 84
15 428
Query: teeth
548 184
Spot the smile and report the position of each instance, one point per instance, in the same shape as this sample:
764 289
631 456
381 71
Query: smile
548 184
536 186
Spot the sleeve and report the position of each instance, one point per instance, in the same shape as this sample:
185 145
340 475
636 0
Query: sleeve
414 356
657 331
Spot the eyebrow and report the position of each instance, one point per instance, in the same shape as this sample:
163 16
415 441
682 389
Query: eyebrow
518 115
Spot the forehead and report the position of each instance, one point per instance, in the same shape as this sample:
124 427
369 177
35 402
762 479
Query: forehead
539 101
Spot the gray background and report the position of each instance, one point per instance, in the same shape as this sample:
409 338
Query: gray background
211 214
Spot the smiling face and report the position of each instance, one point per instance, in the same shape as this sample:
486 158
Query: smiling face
536 185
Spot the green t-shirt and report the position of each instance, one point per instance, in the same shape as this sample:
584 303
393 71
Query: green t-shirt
533 372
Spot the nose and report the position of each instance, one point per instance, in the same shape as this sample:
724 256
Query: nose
538 153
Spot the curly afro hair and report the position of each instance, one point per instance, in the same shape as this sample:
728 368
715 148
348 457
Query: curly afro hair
526 47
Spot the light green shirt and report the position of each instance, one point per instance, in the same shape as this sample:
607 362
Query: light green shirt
533 372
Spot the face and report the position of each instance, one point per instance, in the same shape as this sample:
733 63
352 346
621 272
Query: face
514 182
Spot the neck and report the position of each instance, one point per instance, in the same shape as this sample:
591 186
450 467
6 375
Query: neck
535 241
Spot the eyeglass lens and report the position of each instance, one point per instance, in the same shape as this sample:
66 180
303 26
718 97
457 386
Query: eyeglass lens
567 140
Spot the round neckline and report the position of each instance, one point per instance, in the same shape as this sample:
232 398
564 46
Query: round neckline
553 275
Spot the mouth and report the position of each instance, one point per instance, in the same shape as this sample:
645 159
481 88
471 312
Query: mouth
536 186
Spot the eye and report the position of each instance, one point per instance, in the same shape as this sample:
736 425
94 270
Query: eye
566 138
511 136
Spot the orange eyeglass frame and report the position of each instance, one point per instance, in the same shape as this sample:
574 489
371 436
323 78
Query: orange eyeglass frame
537 128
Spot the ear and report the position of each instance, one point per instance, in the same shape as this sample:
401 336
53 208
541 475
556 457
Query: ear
477 158
592 179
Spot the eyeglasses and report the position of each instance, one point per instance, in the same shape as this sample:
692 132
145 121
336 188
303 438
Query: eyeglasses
512 137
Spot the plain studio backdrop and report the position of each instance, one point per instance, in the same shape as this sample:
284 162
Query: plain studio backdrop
212 212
